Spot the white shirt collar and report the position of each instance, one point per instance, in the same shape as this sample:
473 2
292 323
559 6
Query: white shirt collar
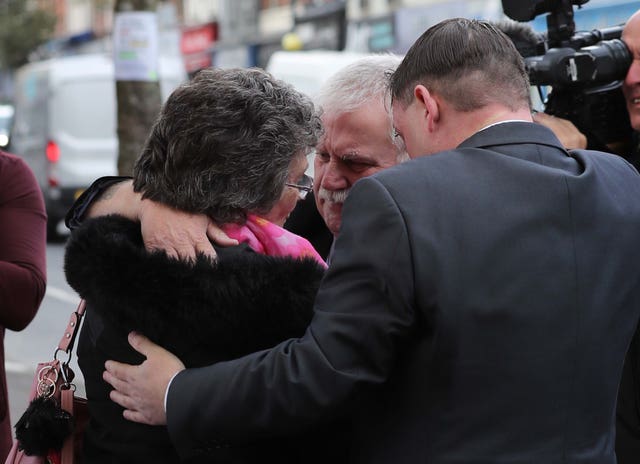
502 122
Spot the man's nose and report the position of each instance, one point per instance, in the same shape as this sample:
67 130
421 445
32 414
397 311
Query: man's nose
334 177
633 74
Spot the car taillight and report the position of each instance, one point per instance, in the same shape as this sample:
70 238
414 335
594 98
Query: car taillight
53 151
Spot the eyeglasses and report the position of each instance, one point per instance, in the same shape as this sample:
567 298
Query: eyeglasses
304 186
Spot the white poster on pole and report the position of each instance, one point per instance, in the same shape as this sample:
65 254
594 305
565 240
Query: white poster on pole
135 46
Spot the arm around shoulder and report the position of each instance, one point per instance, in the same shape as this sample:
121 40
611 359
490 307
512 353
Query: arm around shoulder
95 200
362 314
180 234
117 199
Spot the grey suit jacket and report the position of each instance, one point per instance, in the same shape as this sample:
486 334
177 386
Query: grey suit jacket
477 310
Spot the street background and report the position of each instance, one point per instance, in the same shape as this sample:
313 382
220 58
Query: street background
37 343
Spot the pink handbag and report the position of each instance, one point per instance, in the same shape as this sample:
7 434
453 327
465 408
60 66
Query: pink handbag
51 428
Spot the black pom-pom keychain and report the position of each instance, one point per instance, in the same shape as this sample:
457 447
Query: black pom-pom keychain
43 426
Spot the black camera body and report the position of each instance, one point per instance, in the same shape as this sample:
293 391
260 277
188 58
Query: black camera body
584 69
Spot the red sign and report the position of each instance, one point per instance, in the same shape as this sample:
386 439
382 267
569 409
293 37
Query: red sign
198 39
197 61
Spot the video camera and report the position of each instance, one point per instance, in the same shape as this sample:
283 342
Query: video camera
584 69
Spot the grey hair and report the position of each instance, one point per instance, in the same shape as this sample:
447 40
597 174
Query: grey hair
357 84
223 142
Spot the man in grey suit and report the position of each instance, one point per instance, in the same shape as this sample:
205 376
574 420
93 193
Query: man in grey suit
479 303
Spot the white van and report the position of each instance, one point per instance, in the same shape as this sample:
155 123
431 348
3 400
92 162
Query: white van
65 124
308 70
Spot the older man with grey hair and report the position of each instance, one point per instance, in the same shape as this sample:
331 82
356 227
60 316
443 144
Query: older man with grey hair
358 139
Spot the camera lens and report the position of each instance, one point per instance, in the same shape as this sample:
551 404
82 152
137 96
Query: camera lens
611 58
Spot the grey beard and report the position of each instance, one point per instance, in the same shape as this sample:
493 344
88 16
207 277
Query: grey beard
333 196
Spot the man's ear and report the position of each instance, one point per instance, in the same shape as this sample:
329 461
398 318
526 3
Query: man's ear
429 104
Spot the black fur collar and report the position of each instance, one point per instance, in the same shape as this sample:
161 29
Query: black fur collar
241 303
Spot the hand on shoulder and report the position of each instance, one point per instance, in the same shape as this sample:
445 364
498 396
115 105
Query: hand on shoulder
180 234
565 130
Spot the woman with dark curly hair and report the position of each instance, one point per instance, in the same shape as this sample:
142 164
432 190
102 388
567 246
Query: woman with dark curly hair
231 144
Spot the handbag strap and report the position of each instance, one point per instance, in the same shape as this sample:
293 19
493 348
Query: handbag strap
70 332
67 455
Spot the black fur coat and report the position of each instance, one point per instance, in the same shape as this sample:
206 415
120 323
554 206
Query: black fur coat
203 312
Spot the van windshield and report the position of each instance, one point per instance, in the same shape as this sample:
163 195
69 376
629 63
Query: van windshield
86 109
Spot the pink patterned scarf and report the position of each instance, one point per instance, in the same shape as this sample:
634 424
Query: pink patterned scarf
269 239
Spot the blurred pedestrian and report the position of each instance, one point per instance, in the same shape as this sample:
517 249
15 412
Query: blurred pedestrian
23 272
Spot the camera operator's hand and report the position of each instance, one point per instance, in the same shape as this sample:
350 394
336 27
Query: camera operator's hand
567 133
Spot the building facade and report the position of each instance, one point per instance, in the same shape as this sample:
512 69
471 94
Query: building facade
246 32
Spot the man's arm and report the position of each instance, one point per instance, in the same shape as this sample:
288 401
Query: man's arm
572 138
119 199
142 390
79 210
568 134
362 312
180 234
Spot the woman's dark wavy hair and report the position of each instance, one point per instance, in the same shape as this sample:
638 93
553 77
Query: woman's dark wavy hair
469 62
223 142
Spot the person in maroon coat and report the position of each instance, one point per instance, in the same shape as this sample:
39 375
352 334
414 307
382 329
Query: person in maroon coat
23 245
